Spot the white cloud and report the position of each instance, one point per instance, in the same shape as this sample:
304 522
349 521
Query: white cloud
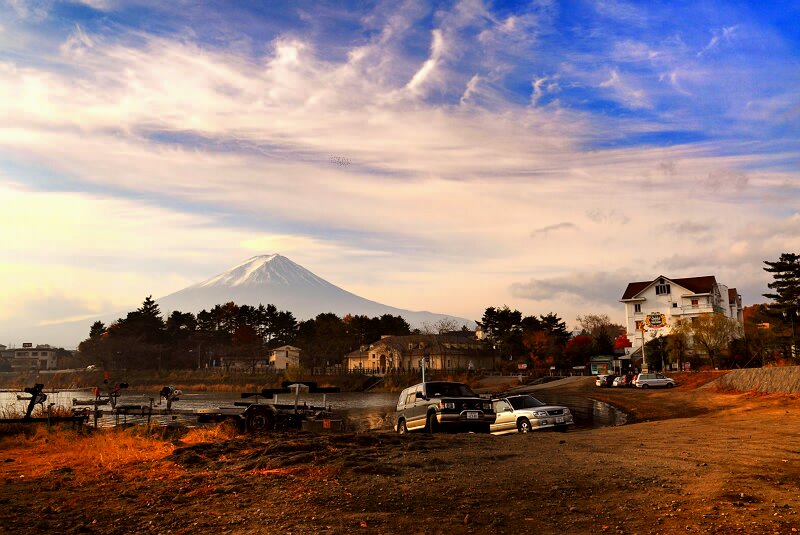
429 67
630 96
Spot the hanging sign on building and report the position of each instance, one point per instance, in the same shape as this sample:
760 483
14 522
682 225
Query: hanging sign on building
656 320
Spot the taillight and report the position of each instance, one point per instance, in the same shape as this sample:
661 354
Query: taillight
447 405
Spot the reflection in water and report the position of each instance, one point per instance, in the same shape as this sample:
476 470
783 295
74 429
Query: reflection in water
369 410
586 411
364 410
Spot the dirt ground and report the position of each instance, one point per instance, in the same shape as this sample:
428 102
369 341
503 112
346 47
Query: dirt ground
693 460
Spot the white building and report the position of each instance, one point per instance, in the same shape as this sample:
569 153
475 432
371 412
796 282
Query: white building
657 305
38 358
284 357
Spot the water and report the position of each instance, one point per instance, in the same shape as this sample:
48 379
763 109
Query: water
586 412
368 410
356 402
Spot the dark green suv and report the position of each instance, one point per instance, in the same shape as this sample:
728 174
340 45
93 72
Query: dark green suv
442 405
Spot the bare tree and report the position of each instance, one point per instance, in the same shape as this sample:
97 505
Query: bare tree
678 342
440 326
713 333
602 331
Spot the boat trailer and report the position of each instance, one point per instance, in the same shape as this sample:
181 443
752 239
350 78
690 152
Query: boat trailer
259 417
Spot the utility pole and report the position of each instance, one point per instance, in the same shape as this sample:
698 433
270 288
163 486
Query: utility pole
644 360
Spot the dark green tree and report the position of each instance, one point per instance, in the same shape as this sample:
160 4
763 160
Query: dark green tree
503 330
97 329
786 284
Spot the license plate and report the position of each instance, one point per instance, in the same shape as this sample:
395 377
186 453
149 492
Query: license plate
472 415
560 420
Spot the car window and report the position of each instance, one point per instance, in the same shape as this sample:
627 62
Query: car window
437 389
411 396
403 397
659 376
525 402
500 406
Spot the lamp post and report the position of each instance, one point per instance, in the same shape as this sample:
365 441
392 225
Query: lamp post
644 360
791 316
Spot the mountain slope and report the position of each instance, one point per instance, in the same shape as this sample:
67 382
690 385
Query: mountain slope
269 279
274 279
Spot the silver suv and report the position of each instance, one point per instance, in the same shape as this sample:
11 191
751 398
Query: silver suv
646 380
442 405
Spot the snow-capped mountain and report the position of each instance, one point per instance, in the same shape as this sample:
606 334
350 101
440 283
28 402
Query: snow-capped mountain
274 279
268 279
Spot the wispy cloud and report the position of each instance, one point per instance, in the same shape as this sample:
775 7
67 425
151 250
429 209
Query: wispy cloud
630 95
722 35
551 228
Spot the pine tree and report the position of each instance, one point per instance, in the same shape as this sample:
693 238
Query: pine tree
786 286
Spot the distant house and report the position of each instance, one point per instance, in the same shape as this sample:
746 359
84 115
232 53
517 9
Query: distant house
284 357
38 358
656 306
6 356
460 350
277 359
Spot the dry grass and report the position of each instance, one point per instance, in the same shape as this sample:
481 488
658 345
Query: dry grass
694 380
106 453
218 433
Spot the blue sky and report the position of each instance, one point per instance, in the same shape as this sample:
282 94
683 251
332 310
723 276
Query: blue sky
445 156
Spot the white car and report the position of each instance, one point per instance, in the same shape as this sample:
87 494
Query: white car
647 380
525 413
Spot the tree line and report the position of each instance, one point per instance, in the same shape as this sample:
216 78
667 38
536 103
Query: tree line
143 339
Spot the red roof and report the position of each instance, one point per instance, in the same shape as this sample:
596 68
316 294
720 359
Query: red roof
698 285
732 294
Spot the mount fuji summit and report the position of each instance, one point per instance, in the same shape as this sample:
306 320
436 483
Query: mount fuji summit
274 279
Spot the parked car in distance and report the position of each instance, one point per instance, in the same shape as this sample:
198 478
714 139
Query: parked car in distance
623 381
648 380
442 406
605 380
525 413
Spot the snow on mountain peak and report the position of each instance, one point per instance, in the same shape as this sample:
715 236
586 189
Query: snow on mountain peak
272 269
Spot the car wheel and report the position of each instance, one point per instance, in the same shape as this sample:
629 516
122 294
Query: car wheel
645 386
524 425
670 385
402 428
433 424
258 422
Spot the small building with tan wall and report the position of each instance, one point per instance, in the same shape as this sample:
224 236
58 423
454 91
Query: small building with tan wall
453 351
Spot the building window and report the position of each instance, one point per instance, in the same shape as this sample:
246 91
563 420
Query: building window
695 303
637 307
662 289
674 305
